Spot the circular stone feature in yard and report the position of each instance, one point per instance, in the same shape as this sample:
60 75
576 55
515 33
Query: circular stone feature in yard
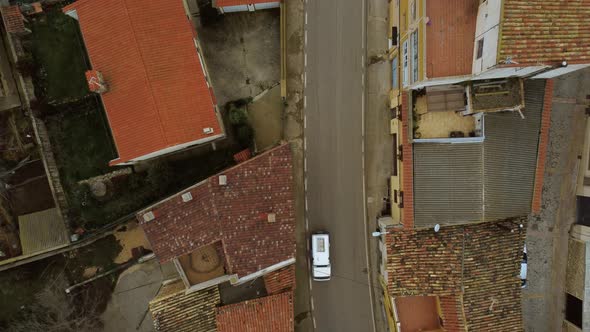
98 189
205 259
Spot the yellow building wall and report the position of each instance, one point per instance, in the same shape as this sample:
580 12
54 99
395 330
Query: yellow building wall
395 181
407 27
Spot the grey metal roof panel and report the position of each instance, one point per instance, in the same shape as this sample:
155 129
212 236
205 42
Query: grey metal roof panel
42 231
510 156
448 181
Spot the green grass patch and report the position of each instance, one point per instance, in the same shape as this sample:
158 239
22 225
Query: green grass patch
81 140
58 49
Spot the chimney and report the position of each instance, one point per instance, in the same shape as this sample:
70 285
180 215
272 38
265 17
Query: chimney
95 81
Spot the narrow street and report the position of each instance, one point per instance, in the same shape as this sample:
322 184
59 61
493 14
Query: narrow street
334 104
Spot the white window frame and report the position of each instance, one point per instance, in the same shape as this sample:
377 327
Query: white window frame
414 49
405 64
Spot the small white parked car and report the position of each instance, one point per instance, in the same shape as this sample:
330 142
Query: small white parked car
320 257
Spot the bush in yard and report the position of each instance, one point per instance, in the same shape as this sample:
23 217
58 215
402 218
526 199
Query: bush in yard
27 66
245 135
159 175
237 116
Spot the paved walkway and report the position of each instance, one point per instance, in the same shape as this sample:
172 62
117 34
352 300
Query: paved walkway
547 236
128 308
378 141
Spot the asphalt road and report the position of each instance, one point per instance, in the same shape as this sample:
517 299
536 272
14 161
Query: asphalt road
333 105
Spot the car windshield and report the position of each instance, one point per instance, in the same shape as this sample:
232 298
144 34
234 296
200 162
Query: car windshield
321 245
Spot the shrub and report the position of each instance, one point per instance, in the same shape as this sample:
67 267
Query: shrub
238 116
245 135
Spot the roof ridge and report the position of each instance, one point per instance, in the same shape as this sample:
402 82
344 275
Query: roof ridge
200 183
147 78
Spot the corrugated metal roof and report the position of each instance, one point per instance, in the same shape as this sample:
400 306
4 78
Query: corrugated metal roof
42 230
174 310
453 181
448 181
510 156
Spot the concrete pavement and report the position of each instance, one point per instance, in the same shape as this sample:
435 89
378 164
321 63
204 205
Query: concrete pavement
333 105
547 235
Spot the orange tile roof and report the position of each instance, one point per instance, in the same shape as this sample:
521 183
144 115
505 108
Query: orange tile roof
267 314
13 19
450 34
226 3
157 93
535 31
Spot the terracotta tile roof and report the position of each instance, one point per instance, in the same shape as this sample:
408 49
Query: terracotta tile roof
280 281
157 93
479 262
452 317
267 314
13 19
242 156
450 34
536 31
226 3
542 149
175 311
235 214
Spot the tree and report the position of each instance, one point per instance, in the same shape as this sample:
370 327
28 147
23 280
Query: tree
56 311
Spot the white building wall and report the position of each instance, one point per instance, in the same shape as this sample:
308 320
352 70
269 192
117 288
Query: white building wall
174 149
488 28
561 71
503 72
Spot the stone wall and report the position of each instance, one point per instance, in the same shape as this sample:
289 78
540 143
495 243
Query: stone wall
51 169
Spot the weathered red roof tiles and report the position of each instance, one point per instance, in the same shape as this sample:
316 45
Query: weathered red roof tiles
540 31
157 94
13 19
280 281
227 3
479 262
267 314
238 213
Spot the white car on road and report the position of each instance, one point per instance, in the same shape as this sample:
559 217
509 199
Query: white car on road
320 256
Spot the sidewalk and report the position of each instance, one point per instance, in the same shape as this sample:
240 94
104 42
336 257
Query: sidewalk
378 142
293 133
543 299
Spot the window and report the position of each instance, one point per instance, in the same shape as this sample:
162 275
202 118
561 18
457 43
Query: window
479 49
573 310
395 73
395 156
394 36
405 69
414 40
321 245
413 11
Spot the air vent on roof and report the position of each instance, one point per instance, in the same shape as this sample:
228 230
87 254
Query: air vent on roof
187 197
148 216
223 180
271 217
208 130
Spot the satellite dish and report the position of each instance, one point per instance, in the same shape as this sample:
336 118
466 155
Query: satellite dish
436 228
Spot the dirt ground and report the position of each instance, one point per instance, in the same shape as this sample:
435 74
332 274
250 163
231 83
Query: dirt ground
242 53
130 236
265 114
